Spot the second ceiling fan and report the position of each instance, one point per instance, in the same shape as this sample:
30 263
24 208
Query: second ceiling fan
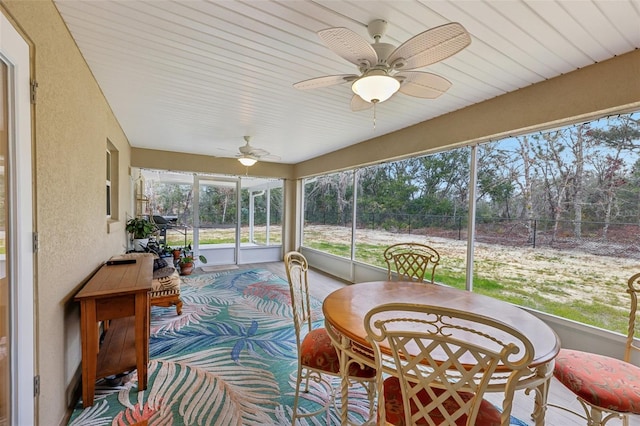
385 69
248 155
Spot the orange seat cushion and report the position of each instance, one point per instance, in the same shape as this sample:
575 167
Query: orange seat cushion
317 351
602 381
394 407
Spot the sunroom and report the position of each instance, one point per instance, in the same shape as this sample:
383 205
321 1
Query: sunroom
174 87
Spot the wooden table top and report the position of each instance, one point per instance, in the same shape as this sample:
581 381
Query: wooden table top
121 279
346 308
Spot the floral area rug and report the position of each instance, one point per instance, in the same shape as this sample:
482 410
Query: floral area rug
229 359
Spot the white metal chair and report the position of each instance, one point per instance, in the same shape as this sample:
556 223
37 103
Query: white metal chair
440 362
411 262
317 357
607 388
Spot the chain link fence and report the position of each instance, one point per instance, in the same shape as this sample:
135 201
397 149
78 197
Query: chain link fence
599 238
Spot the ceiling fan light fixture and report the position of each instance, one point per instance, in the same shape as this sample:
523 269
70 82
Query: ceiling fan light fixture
375 88
247 161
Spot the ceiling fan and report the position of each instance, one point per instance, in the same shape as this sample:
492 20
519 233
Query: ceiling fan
249 155
385 69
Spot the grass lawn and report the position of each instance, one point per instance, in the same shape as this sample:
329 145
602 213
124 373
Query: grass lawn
587 288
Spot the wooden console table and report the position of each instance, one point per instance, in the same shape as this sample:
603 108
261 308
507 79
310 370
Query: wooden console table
118 294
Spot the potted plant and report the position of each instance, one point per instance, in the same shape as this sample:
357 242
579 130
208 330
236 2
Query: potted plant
176 252
140 229
187 262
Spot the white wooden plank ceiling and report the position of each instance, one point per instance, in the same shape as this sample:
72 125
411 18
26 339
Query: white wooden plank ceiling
196 76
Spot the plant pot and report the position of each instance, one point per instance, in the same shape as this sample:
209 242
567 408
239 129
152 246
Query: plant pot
186 268
140 244
176 254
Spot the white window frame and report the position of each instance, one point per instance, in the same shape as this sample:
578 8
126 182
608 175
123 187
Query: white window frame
109 192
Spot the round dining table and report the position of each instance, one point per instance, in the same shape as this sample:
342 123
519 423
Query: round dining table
345 309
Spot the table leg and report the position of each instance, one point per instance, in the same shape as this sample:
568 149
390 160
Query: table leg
541 393
142 318
344 383
89 333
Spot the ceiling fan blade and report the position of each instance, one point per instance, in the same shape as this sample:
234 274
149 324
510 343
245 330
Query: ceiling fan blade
359 104
270 157
247 156
422 84
349 45
258 152
429 47
328 80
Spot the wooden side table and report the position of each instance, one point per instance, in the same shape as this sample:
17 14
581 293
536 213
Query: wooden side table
118 294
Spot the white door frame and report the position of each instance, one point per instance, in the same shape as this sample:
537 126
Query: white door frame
14 51
225 255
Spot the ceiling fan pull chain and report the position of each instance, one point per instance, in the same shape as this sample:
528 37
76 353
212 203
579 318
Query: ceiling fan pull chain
374 115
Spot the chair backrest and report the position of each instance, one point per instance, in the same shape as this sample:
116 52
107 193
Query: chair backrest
297 267
444 352
411 262
633 290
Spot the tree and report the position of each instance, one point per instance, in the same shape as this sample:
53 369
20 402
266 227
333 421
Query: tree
580 144
555 171
527 159
621 136
630 193
170 199
495 181
330 198
443 181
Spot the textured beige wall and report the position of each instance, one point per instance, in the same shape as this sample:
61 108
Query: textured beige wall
72 124
612 85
